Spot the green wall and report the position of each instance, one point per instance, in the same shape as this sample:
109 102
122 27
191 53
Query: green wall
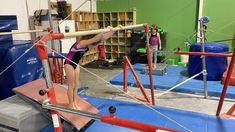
177 17
222 20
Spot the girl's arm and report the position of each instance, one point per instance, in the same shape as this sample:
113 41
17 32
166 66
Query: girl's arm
160 42
97 38
108 34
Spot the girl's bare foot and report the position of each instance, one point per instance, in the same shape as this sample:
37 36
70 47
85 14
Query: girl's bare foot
78 107
154 66
71 106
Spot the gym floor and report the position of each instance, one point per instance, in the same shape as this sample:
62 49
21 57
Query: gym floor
102 89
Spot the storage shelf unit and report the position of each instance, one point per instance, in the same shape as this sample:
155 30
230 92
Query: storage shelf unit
116 46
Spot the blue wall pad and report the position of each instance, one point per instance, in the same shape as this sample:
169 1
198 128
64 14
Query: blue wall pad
26 69
196 122
215 66
175 75
7 23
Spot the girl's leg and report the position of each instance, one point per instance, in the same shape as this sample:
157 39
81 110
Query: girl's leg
155 58
154 50
77 85
151 54
71 85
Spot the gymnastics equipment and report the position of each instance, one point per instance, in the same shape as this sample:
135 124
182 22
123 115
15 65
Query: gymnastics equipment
36 92
42 51
196 53
202 41
112 119
57 68
28 31
149 64
41 48
226 83
232 79
139 84
230 113
49 30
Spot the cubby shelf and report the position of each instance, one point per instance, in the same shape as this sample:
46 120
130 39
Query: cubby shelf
116 45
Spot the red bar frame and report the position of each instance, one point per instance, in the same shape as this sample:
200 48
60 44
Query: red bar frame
133 124
55 67
231 110
226 83
127 62
125 74
202 53
150 66
43 55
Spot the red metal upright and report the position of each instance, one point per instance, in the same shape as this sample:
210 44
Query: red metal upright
231 110
42 51
134 124
139 84
55 74
202 53
149 65
125 75
226 83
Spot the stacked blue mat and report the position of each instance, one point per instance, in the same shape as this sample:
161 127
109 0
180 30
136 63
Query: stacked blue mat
174 76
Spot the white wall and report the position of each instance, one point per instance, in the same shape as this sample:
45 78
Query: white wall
19 8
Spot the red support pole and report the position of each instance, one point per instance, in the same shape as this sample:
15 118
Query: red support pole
134 124
50 68
62 71
137 79
149 64
55 66
42 51
55 115
231 110
226 83
150 73
59 70
125 75
203 53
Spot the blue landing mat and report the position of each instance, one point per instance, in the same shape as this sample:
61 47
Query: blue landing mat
174 76
195 122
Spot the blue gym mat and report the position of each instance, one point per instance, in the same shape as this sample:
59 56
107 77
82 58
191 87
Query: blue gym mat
174 76
196 122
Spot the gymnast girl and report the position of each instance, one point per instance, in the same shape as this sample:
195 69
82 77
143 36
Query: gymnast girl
72 68
155 43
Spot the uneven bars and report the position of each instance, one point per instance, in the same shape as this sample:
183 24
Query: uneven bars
21 32
203 53
83 33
